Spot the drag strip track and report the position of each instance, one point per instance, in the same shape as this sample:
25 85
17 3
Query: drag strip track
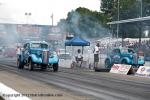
80 82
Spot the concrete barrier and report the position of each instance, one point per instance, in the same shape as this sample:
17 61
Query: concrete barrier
65 63
10 94
72 64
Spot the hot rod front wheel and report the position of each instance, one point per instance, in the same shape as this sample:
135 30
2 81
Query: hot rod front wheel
107 63
55 67
124 62
31 65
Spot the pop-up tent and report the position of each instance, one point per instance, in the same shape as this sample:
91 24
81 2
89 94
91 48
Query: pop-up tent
77 41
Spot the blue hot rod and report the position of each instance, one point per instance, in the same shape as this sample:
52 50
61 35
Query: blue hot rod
124 56
37 54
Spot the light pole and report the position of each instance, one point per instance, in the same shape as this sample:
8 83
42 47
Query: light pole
118 10
27 14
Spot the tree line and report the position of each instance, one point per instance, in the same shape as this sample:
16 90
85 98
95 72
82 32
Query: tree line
85 22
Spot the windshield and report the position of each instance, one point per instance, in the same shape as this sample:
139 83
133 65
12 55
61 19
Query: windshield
126 50
39 45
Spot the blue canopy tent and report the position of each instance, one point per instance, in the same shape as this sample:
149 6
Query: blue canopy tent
77 41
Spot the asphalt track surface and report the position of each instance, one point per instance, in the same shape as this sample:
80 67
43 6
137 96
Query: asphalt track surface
93 85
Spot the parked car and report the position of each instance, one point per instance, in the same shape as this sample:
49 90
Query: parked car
124 56
38 54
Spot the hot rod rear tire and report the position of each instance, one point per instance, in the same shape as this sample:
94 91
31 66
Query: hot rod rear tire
55 67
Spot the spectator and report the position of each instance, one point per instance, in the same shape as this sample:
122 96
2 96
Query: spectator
96 55
79 57
18 51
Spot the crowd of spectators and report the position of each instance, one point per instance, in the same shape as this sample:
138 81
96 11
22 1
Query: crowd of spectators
145 46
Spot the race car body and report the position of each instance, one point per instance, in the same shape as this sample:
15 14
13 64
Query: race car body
124 56
37 53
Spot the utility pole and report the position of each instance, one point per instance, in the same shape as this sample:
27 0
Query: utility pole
100 6
118 18
140 28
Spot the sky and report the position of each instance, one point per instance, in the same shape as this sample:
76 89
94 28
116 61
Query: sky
13 11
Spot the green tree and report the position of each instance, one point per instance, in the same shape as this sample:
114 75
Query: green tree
127 9
85 22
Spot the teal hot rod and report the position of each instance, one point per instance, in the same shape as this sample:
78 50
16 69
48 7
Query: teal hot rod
37 54
124 56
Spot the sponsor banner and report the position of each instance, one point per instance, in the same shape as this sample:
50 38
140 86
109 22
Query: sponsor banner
28 29
114 68
143 71
122 69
